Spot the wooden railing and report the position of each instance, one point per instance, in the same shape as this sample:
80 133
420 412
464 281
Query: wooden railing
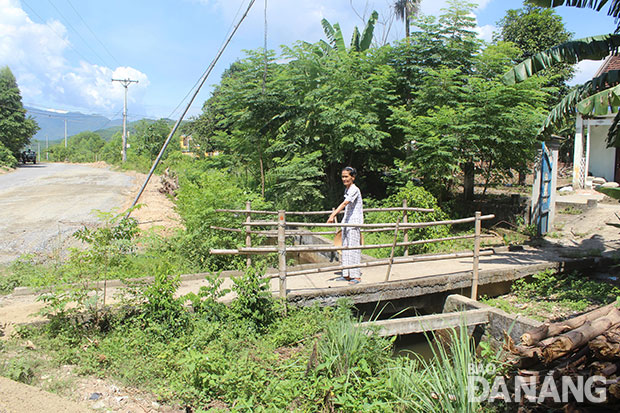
283 230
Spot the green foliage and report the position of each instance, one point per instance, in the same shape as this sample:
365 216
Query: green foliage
550 295
84 147
534 29
150 137
254 303
16 129
417 197
20 369
594 48
160 306
611 192
107 249
573 287
442 383
6 157
205 302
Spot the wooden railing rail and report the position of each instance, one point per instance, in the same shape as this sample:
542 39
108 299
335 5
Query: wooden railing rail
282 230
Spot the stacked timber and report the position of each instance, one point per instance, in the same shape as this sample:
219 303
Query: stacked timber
169 183
583 349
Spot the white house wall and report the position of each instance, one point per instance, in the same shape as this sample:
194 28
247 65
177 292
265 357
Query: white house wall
602 158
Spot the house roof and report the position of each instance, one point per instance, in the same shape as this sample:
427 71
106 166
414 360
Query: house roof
612 62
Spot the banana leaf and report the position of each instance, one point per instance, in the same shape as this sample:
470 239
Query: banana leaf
588 48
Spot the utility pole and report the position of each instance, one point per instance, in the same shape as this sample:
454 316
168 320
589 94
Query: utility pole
65 132
125 83
47 148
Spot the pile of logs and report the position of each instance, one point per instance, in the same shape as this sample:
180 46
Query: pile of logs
587 346
169 183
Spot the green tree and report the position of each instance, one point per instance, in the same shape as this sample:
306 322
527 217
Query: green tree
534 29
462 119
150 137
16 129
317 112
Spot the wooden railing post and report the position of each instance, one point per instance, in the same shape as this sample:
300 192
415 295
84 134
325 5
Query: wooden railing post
474 283
282 253
391 260
405 235
248 236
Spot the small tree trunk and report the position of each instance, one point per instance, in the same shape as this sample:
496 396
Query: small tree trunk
521 177
488 178
468 184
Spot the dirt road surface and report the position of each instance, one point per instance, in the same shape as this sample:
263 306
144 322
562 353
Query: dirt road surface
43 204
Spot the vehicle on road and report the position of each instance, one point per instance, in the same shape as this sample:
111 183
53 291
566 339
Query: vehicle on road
29 156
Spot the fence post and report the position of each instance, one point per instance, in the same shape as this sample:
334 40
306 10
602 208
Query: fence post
405 235
282 253
474 283
389 270
248 236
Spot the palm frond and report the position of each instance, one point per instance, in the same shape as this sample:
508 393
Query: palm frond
329 30
592 48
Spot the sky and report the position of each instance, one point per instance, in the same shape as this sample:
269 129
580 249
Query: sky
64 53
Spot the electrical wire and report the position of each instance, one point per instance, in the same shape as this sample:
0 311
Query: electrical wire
93 33
232 23
54 31
62 16
178 122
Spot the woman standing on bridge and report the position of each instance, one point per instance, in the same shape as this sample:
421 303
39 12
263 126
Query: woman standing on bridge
353 214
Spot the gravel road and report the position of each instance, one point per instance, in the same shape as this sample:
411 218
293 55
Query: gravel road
43 204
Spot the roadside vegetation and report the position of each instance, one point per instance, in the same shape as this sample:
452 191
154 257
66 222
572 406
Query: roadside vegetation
244 356
551 295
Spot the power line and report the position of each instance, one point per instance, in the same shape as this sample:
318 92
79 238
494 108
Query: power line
189 92
76 32
93 33
178 123
54 31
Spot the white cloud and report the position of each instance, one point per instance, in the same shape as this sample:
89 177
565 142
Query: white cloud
585 71
35 53
486 32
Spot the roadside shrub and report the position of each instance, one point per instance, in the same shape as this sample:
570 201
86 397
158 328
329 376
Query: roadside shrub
200 194
417 197
6 157
254 302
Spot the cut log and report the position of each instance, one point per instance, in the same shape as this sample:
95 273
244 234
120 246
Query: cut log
607 345
572 340
552 329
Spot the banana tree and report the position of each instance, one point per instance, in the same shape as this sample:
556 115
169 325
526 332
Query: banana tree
360 42
596 97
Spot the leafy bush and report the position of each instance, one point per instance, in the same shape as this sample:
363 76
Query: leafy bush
200 194
254 303
417 197
6 157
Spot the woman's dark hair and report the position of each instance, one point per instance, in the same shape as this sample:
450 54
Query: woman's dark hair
351 170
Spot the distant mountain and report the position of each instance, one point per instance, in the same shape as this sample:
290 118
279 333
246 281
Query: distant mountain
52 123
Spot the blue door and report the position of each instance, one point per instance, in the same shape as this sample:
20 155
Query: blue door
544 199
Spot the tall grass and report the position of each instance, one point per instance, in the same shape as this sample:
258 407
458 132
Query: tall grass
441 383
